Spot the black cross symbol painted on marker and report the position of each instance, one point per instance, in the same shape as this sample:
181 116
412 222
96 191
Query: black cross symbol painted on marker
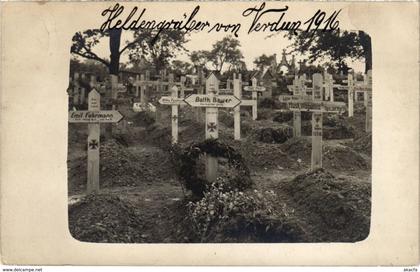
174 118
212 127
93 144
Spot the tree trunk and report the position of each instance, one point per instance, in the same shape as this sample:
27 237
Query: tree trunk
114 65
366 43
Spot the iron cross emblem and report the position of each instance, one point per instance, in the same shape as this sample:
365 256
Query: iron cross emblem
93 144
212 127
174 118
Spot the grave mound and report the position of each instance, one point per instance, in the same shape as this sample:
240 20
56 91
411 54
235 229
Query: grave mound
116 162
342 206
274 135
189 163
143 119
283 117
298 148
226 118
363 143
344 158
250 216
104 219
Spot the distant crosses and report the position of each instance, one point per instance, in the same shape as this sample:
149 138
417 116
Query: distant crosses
76 89
94 116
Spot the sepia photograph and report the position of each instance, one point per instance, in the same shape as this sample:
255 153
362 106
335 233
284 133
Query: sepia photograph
209 133
231 140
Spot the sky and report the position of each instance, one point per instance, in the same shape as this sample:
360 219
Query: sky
252 46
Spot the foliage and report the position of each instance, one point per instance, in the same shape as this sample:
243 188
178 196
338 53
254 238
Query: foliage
225 51
185 160
264 61
180 67
227 216
142 45
156 49
200 57
334 45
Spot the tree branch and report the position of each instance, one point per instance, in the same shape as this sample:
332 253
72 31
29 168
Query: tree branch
129 44
93 56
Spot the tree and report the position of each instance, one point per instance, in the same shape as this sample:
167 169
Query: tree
263 61
84 43
200 57
157 49
225 51
181 67
337 46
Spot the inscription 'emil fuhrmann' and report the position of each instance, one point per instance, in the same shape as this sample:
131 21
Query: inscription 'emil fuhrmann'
262 20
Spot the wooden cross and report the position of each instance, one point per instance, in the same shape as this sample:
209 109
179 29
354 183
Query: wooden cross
254 88
299 94
237 91
94 116
317 107
212 101
366 88
174 101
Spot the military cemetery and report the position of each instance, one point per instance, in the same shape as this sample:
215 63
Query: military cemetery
259 149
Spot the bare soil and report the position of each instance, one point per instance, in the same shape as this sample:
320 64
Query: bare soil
142 200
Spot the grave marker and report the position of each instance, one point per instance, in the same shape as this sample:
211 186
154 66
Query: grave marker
174 101
254 88
94 116
212 126
317 107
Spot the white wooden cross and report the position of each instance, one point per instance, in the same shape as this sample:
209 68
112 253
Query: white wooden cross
237 91
254 88
366 88
94 116
317 107
174 101
299 95
212 101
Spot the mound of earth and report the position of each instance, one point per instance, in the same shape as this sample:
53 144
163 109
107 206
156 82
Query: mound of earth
344 158
298 149
334 155
226 118
143 119
363 143
274 135
342 206
334 127
119 166
283 117
104 219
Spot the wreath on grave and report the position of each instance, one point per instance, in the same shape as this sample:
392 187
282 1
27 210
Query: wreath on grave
186 160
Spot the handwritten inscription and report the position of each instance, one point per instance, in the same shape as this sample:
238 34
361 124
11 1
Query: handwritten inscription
262 20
